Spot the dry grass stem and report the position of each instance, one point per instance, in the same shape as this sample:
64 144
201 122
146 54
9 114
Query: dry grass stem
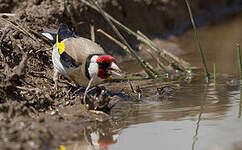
92 31
132 52
166 56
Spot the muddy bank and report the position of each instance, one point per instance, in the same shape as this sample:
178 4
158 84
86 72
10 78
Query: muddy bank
152 17
32 114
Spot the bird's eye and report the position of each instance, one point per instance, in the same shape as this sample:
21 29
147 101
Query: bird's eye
103 65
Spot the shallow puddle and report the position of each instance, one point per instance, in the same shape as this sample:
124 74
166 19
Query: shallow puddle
196 116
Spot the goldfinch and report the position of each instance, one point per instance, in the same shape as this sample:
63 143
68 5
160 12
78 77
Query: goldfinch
79 59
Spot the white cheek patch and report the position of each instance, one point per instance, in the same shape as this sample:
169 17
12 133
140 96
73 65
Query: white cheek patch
93 67
48 35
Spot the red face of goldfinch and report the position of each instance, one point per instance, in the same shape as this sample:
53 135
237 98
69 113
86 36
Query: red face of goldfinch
107 66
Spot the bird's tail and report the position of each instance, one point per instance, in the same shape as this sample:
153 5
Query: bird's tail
50 35
63 33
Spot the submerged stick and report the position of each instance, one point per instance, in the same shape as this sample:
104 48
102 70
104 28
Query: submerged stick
168 57
198 40
132 52
239 60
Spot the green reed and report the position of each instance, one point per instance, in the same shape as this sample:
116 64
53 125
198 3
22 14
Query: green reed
239 60
198 40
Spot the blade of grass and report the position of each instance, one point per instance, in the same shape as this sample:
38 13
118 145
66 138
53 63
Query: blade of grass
198 40
132 52
239 60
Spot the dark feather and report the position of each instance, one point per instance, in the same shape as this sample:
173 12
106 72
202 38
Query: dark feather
68 62
64 32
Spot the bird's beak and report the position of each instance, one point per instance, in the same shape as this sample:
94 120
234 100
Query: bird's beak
114 70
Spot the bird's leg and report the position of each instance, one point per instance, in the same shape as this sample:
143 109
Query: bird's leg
56 78
85 93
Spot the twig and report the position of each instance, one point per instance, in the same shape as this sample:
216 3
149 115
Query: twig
152 69
149 51
114 40
198 40
7 14
37 90
131 87
92 32
126 49
168 57
132 52
126 79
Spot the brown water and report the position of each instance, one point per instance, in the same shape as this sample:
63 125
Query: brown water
197 116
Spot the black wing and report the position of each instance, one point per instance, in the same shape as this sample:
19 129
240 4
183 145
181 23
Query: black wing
68 62
63 33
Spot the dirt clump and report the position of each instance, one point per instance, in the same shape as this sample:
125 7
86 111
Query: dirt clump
33 114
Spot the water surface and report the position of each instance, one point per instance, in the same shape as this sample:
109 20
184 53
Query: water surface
197 116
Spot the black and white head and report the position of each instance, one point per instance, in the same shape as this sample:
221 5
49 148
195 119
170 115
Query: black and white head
103 66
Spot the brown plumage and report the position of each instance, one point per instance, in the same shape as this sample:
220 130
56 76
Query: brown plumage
79 59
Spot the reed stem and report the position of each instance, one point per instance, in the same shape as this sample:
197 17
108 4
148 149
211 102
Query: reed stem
126 49
239 60
162 66
132 52
198 40
168 57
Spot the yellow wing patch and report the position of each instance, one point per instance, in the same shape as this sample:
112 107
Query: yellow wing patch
60 46
62 147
